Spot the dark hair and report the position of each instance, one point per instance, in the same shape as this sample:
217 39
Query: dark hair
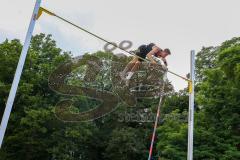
167 51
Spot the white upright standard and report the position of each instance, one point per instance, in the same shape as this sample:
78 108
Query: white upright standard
18 72
191 107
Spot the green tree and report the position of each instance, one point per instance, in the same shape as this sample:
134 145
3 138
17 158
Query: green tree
126 143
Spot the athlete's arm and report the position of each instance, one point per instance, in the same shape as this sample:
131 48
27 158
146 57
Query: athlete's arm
152 52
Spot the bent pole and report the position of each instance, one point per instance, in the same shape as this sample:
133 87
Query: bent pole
191 107
18 72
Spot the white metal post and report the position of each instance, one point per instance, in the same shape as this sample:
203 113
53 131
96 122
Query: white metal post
18 73
191 107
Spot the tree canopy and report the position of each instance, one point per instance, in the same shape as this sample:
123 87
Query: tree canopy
34 132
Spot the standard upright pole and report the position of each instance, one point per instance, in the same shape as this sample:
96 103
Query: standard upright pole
18 72
191 107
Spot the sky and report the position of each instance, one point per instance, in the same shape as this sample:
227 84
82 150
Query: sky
181 26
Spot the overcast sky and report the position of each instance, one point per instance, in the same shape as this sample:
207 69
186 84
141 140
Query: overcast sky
181 25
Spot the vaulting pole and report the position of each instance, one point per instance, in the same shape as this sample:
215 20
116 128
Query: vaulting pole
18 72
191 106
157 117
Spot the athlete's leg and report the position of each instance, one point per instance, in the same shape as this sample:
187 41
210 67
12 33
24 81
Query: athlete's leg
129 67
136 66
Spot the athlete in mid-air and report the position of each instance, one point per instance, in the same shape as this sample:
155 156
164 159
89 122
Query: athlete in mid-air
150 51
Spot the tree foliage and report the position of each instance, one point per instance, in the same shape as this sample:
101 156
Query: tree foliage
35 133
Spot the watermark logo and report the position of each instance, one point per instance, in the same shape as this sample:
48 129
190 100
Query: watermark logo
92 86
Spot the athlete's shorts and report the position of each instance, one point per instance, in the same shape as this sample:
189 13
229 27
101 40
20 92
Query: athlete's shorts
142 52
